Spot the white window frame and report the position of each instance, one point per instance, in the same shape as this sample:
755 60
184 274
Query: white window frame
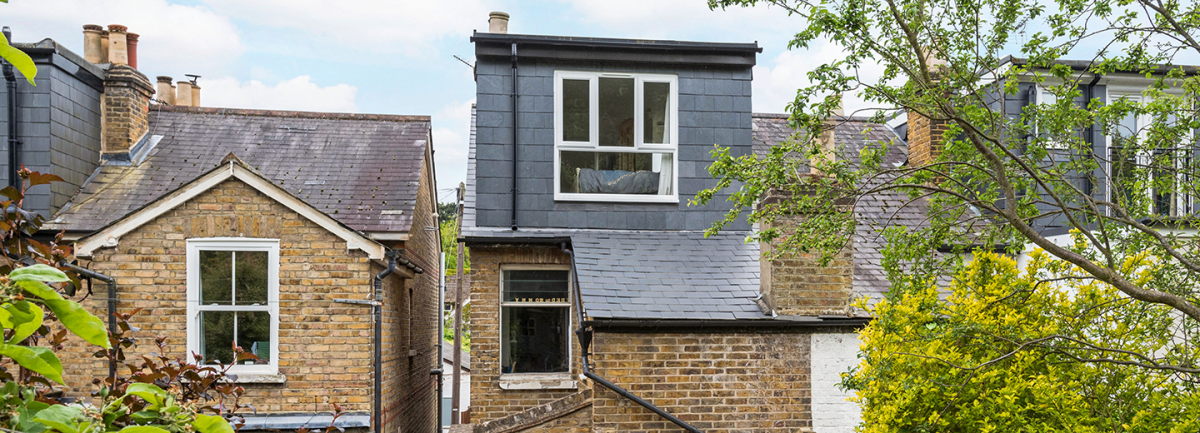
1045 97
568 304
194 247
1183 202
639 146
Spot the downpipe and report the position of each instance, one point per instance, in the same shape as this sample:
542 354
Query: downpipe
14 142
112 306
378 306
585 341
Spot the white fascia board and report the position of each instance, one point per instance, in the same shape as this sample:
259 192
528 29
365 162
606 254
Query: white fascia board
110 236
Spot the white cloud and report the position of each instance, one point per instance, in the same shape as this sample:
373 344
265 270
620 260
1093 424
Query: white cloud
669 19
451 135
175 39
405 26
299 94
775 84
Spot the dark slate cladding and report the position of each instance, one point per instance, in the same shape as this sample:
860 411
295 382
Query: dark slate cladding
714 108
362 169
58 123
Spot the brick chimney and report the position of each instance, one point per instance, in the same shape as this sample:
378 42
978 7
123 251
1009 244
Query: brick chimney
497 22
92 50
797 284
183 94
118 47
925 134
125 108
166 90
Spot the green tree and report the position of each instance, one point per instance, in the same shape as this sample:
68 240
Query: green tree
1000 349
998 179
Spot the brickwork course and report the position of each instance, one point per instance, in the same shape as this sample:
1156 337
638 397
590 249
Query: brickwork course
488 400
325 348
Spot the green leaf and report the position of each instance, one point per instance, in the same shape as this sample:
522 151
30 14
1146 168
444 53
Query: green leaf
38 359
143 429
19 59
212 424
144 416
59 417
74 317
147 391
23 317
38 272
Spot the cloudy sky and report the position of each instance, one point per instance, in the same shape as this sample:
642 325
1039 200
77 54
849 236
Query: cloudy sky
391 56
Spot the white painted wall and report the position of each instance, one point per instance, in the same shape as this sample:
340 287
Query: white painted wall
832 355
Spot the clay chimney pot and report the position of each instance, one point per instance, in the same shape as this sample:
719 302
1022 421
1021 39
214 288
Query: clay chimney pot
92 35
183 94
166 90
118 48
497 22
131 41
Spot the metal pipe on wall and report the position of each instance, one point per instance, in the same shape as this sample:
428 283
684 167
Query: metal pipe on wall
14 142
391 260
112 306
514 136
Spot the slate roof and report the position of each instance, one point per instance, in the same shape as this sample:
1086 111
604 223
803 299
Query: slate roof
362 169
667 275
448 356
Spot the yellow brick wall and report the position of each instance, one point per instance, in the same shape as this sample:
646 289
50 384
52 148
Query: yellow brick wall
717 381
410 400
325 348
488 401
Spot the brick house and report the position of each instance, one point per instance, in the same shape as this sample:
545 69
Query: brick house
597 302
272 230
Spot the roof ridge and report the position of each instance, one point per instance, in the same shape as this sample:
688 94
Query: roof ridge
289 114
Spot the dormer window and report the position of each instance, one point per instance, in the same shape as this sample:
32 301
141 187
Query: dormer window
615 137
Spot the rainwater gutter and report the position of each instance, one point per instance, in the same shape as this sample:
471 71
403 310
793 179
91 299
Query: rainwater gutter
585 340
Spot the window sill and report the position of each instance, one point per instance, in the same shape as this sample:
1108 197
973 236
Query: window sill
617 198
529 381
251 378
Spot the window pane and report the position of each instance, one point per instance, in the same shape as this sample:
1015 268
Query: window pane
576 108
546 286
616 111
251 277
216 272
216 336
1128 126
658 108
616 173
254 334
1123 166
534 340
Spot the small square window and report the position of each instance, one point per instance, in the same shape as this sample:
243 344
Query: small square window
535 322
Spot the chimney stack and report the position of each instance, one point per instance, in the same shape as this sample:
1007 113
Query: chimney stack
925 134
166 90
497 22
92 50
195 95
131 41
183 94
125 110
797 284
118 48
